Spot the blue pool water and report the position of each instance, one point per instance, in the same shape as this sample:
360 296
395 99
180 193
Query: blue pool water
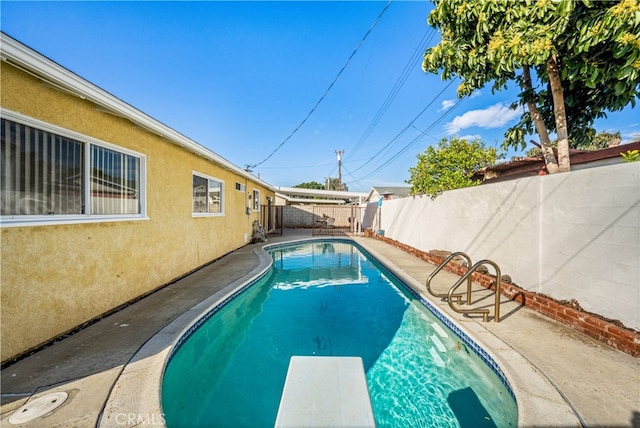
327 298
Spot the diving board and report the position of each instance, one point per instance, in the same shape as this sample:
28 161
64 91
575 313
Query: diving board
325 392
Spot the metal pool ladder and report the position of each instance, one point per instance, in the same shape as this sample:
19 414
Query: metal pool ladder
449 296
458 297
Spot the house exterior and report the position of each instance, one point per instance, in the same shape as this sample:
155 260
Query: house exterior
387 193
100 203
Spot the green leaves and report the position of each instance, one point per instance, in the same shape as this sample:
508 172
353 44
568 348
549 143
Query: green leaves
449 165
597 46
565 7
631 156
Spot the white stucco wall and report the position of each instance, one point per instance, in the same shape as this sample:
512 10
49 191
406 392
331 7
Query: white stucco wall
569 236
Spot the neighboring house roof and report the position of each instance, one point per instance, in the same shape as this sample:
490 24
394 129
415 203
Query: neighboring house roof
580 159
36 64
387 192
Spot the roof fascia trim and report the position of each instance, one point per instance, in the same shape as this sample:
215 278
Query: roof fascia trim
300 191
18 54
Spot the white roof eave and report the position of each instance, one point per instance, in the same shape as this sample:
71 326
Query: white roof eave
315 201
299 191
17 54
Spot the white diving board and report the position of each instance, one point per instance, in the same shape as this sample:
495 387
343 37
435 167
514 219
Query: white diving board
325 392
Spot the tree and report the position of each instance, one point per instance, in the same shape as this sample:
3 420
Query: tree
335 184
310 185
332 183
573 60
450 165
601 140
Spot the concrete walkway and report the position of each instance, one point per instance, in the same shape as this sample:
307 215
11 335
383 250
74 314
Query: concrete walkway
600 383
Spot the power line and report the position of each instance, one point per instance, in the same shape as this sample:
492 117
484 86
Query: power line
390 143
412 142
399 83
394 90
351 175
327 90
296 166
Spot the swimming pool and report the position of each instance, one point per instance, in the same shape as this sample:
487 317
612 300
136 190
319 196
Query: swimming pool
328 298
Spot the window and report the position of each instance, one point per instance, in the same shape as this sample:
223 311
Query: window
49 176
115 183
240 187
256 200
207 195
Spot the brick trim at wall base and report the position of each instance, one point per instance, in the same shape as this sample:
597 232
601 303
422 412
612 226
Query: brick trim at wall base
611 332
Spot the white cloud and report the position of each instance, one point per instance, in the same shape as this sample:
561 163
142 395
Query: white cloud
447 104
630 137
470 137
475 93
495 116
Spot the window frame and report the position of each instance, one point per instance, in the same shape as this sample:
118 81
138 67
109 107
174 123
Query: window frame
21 220
222 195
256 200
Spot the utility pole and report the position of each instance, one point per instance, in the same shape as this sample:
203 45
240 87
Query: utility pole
339 153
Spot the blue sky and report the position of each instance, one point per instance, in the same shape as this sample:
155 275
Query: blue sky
246 78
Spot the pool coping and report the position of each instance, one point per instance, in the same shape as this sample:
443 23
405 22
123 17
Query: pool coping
135 399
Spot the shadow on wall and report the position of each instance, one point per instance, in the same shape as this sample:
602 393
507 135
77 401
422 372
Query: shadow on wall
296 217
314 216
569 236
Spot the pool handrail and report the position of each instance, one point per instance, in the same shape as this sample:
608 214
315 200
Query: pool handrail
458 297
467 276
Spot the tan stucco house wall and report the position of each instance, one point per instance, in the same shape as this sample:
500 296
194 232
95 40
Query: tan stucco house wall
57 272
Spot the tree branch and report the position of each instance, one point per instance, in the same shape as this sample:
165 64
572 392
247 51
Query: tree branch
541 128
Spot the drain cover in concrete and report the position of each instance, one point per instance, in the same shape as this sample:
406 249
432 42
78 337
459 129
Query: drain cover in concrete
38 407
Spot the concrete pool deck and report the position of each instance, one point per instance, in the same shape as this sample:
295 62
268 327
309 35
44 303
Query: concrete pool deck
600 383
